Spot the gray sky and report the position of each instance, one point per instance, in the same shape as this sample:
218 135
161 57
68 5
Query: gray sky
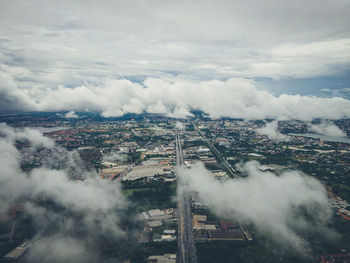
45 44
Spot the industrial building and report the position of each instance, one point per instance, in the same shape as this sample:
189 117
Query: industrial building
17 253
166 258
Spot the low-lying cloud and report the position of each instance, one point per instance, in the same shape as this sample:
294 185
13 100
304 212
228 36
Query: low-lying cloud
90 205
271 130
35 137
282 207
173 97
327 128
60 249
114 156
71 114
179 125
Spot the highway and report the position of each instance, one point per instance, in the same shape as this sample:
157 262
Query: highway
219 155
187 248
229 169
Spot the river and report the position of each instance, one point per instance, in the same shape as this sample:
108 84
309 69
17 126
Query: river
322 137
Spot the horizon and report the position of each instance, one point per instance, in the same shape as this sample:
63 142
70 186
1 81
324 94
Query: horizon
145 131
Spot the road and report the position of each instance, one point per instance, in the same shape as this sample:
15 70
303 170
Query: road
187 248
229 168
219 155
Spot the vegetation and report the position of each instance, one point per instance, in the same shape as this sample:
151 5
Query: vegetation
143 251
150 195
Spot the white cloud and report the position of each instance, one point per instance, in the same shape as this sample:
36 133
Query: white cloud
72 43
180 113
99 203
34 136
112 157
71 114
60 249
306 60
91 194
83 53
179 125
11 97
272 203
271 131
176 96
327 128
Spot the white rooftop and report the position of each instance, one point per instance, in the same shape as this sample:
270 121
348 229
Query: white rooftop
155 212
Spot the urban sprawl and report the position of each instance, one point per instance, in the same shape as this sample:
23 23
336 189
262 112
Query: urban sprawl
142 156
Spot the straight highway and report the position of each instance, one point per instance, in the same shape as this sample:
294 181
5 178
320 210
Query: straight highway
229 168
187 248
218 154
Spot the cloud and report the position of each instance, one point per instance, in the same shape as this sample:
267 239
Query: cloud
271 131
60 249
35 137
90 194
179 125
176 97
55 59
71 114
11 97
180 113
112 157
327 128
282 207
237 39
305 60
90 205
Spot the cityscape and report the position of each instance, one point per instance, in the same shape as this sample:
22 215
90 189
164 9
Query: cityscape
166 221
211 131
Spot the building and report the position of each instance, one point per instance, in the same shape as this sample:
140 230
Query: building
169 231
18 252
155 223
199 222
227 225
166 258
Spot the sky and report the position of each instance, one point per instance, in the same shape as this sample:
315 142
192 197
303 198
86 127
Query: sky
298 48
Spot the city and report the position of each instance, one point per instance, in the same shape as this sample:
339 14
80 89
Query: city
213 131
169 222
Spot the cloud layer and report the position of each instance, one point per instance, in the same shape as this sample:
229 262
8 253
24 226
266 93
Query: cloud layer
175 97
64 42
122 56
283 207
